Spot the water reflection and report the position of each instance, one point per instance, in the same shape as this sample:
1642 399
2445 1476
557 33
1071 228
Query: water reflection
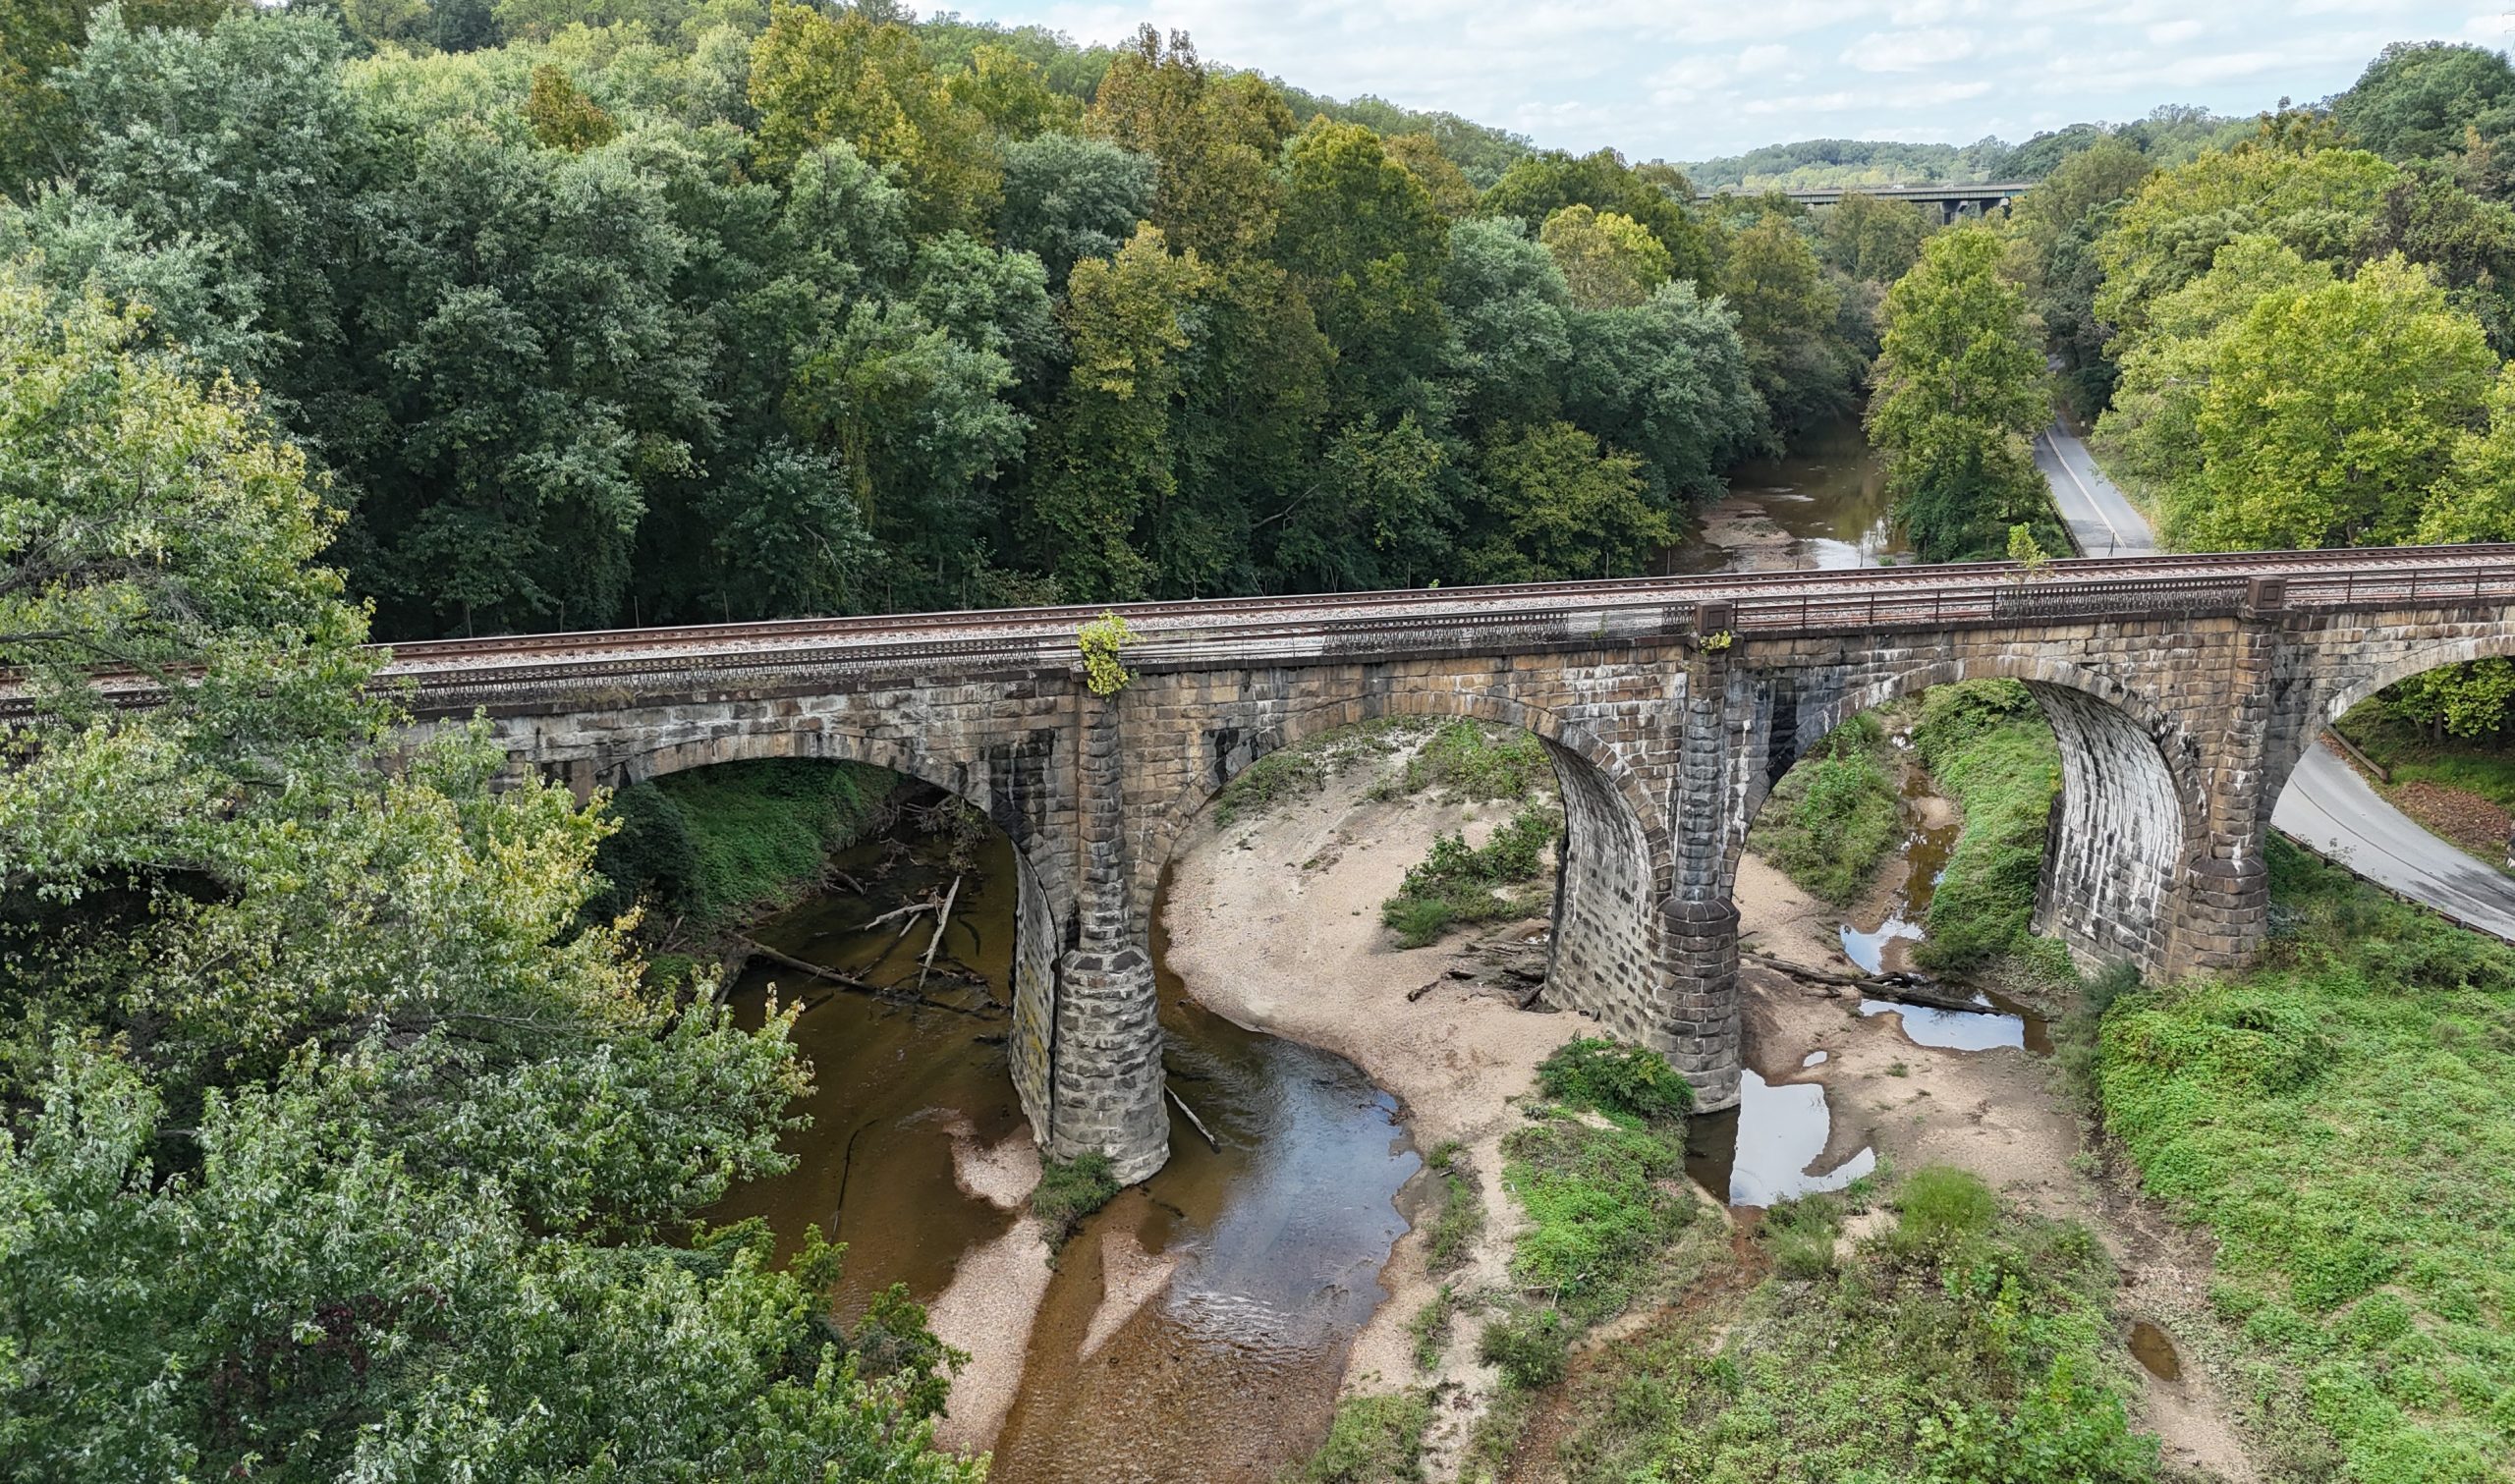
1826 503
1273 1243
1761 1151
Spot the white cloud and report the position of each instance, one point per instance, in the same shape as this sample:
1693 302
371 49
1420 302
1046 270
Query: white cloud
1691 79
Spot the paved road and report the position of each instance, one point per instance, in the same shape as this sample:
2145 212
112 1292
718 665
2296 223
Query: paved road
2102 521
2326 804
2332 810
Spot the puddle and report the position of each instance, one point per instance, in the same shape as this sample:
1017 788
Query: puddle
1813 1058
2002 1021
1878 950
2155 1351
1759 1151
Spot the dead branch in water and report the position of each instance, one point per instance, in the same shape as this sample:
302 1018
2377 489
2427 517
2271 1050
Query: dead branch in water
942 920
1207 1134
849 981
1909 989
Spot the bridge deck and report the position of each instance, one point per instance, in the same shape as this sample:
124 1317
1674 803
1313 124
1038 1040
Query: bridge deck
1257 630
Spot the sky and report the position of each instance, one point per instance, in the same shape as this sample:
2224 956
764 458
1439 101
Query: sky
1691 79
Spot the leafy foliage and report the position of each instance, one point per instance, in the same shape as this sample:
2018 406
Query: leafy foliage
1375 1439
1831 821
2335 1118
1461 883
1625 1083
1980 1354
335 1140
1069 1191
1601 1202
1985 743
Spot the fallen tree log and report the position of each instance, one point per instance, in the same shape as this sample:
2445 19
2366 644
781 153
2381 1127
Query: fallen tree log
851 983
1908 989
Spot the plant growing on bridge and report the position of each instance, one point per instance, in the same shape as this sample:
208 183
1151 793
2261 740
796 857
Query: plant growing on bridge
2035 564
1101 641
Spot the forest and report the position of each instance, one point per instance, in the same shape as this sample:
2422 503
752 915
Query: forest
345 1129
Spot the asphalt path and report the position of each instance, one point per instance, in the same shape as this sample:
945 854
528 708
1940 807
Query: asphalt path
2326 804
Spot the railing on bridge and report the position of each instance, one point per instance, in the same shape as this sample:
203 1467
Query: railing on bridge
454 676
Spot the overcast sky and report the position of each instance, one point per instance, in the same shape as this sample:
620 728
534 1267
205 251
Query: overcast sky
1686 80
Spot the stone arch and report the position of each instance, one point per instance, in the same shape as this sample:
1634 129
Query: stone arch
1042 908
2129 822
1615 865
2339 693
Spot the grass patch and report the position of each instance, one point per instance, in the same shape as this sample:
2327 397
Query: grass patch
1633 1084
1303 768
1834 818
2339 1118
1430 1327
1603 1204
1374 1440
1459 883
1465 760
714 845
1070 1191
1989 747
1955 1348
1531 1347
1460 1219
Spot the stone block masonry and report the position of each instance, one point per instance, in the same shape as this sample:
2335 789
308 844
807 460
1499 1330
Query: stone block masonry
2177 730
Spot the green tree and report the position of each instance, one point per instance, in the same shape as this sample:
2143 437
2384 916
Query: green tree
2055 225
1110 449
1537 186
1069 198
2330 412
816 78
1558 506
2417 98
334 1141
1360 235
1453 193
562 117
1509 315
2313 199
1608 260
1869 238
1958 388
1213 141
1668 381
1003 88
1787 316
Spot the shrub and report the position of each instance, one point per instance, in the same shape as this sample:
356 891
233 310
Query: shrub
1616 1079
1941 1207
1459 883
1070 1191
1374 1440
1531 1345
1835 817
1467 761
1101 641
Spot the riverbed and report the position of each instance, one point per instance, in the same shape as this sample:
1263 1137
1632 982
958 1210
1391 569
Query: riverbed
1218 1307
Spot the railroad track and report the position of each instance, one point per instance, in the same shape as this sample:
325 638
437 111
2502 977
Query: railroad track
454 674
2315 579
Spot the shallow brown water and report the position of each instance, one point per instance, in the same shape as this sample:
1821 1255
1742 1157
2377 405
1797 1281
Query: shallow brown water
1829 496
1230 1372
2155 1351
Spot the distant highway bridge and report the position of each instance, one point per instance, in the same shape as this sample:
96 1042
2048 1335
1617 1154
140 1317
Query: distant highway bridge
1951 199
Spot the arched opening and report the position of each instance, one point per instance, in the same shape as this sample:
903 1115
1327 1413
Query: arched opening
2121 820
2403 769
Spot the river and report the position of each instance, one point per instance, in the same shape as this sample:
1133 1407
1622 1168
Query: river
1275 1240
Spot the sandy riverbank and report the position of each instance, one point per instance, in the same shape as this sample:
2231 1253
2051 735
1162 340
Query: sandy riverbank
1274 923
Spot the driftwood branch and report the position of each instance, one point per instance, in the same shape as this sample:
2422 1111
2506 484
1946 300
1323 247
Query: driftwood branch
1208 1134
850 983
1909 989
942 920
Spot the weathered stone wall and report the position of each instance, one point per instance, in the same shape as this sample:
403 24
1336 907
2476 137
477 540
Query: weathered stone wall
1602 960
2176 736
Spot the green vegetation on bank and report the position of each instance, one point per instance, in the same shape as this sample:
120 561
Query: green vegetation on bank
2410 731
1461 884
1963 1343
714 845
1836 816
1600 1171
334 1141
2338 1119
1989 747
1301 770
1375 1439
1070 1191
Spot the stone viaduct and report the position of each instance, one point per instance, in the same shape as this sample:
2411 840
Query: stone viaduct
2182 690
